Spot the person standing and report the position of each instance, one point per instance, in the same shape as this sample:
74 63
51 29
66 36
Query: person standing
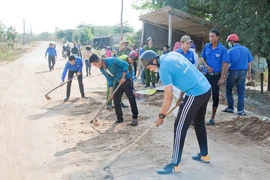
51 51
141 69
240 68
76 51
216 61
108 52
73 66
86 56
166 49
103 52
116 72
124 49
176 70
149 75
184 50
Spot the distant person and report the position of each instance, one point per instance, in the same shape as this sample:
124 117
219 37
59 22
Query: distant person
196 56
240 68
124 49
103 52
166 49
142 72
75 51
68 50
108 52
216 61
73 66
184 49
177 46
51 51
134 48
150 76
86 55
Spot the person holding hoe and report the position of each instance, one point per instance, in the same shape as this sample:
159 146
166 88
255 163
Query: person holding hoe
176 70
116 72
73 66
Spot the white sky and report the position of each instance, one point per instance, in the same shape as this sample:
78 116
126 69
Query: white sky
45 15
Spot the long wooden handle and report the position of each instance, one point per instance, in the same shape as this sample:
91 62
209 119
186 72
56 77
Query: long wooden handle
105 104
60 85
136 141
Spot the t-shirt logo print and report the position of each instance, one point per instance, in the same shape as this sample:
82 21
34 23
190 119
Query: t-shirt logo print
217 55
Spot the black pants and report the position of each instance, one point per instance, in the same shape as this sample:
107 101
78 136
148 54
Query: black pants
135 68
192 109
51 62
213 80
70 75
126 88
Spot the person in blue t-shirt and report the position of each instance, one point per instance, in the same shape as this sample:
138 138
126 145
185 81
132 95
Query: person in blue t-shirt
51 51
216 61
73 66
116 72
176 70
240 67
184 50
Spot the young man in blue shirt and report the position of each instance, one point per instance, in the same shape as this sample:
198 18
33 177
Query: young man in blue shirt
184 50
240 67
73 66
51 51
216 60
116 72
176 70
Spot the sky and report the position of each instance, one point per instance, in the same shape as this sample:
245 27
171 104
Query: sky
45 15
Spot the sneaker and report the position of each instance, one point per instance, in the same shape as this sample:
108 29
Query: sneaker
66 99
199 157
134 122
227 110
118 121
169 168
211 122
123 105
242 113
84 96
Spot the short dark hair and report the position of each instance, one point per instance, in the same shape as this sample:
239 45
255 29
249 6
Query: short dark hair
215 31
88 48
71 58
93 58
167 46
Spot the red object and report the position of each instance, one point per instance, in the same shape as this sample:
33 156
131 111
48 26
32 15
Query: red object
232 37
134 55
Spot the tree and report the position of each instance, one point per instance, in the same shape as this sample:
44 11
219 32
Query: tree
2 30
11 34
248 18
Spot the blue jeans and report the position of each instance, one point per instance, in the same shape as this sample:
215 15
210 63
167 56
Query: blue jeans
237 78
88 67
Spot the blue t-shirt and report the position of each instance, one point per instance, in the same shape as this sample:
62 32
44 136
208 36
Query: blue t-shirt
215 57
76 67
176 70
51 51
189 55
115 68
239 57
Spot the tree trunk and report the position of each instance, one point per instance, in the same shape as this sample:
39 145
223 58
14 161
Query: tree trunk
268 80
121 20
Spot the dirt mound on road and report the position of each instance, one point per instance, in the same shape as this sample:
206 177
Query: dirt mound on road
251 127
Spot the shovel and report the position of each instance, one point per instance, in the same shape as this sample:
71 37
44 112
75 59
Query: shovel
47 95
94 119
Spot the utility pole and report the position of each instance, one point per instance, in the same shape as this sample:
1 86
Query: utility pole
30 32
121 20
24 36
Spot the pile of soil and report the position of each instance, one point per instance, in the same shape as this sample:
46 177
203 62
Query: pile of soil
251 127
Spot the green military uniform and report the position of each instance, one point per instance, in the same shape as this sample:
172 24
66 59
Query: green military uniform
150 76
124 51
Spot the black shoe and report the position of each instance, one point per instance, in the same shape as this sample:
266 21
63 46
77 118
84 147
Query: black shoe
134 122
153 86
86 75
146 86
84 96
90 74
118 121
66 99
123 105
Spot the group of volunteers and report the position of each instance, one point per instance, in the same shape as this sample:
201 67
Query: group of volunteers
175 69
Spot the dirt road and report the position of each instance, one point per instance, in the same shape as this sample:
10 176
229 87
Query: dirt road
43 140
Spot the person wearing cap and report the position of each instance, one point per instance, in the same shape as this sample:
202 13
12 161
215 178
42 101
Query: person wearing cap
216 61
124 49
240 68
73 66
51 51
116 72
87 53
184 50
149 75
176 70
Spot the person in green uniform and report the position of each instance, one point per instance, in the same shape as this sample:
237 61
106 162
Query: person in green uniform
124 49
149 75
